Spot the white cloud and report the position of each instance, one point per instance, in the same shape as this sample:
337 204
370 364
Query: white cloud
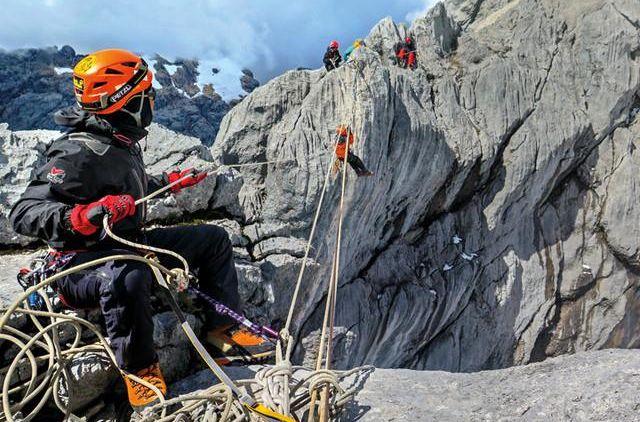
416 13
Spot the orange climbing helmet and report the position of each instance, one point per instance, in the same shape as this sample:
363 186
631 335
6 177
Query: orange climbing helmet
341 146
342 131
105 80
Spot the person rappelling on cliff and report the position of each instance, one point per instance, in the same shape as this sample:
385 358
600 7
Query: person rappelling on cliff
406 53
332 58
96 169
345 140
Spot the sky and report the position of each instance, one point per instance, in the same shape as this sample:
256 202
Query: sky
267 36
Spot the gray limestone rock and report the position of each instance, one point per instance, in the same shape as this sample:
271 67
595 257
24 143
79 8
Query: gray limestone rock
583 387
10 264
168 151
234 230
173 347
35 83
90 375
260 231
384 36
595 386
20 154
445 29
205 378
228 184
248 82
464 11
279 245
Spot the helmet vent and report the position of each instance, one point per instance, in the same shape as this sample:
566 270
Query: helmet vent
99 84
129 64
111 71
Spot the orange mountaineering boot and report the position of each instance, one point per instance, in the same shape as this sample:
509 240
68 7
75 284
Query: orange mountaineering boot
141 396
236 344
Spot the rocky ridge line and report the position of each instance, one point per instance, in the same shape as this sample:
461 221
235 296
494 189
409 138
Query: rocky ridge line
35 83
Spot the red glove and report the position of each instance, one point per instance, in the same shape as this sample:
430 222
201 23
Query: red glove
85 219
189 181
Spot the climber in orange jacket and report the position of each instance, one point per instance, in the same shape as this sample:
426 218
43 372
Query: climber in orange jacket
354 161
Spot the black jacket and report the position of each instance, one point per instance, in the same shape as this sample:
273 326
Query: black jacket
332 58
82 166
410 46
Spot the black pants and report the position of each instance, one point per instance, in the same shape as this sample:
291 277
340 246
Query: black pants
356 164
122 289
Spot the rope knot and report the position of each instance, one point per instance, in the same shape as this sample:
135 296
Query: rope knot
179 279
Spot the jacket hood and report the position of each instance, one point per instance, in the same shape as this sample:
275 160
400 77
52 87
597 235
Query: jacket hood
80 120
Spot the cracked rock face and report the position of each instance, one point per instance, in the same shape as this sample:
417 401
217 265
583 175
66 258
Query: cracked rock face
500 225
20 154
34 84
584 387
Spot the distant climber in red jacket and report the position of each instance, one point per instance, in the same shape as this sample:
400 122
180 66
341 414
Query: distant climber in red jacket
406 53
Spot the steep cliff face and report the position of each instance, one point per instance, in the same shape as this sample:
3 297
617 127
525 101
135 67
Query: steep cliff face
500 225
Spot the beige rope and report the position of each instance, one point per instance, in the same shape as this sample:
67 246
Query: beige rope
303 266
332 292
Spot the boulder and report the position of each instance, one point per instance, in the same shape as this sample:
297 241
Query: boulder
168 151
175 352
21 153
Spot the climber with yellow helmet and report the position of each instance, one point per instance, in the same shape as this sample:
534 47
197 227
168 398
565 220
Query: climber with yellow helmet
356 45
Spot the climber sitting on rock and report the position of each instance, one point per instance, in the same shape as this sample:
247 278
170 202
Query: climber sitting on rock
96 170
345 140
356 45
406 53
332 58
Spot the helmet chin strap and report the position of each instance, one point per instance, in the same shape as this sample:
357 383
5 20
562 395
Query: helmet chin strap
137 114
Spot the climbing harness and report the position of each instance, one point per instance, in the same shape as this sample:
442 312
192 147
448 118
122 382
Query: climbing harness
40 269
